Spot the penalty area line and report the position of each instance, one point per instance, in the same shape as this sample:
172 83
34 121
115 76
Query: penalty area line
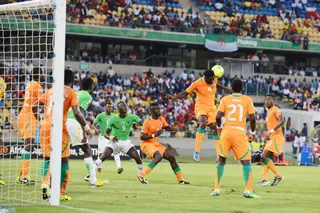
80 209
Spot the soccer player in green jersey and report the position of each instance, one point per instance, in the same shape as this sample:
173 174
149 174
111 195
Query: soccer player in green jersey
76 132
118 130
102 121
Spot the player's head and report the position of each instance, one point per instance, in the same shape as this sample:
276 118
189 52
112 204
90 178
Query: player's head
68 77
208 76
269 101
38 75
155 110
236 85
109 107
87 84
122 107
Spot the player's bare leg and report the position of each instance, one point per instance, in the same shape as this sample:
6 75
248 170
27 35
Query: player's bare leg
65 177
202 124
147 169
135 155
1 145
175 167
267 164
23 177
218 177
90 165
104 156
247 175
216 138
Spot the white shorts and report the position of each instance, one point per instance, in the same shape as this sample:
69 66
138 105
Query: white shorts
120 146
103 143
75 132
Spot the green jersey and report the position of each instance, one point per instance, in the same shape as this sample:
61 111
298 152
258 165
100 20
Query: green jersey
85 100
121 127
103 120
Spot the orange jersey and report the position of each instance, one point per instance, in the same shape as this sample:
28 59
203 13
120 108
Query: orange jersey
32 94
236 107
151 126
273 118
205 93
70 100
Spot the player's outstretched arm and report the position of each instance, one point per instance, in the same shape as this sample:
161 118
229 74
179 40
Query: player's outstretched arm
252 119
80 119
173 127
181 95
148 137
35 109
219 118
228 89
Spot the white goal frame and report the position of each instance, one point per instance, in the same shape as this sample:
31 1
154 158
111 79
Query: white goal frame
58 85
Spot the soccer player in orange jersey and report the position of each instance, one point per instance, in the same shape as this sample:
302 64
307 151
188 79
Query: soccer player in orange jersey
205 109
70 101
27 124
273 142
235 109
152 128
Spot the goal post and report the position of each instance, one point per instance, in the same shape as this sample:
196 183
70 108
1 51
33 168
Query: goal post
32 35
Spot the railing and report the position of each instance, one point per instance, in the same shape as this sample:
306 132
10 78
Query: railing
154 61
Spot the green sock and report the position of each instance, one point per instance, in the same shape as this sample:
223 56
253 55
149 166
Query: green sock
220 170
151 165
44 168
64 168
247 176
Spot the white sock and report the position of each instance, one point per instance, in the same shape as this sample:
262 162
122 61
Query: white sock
92 172
140 168
98 162
117 160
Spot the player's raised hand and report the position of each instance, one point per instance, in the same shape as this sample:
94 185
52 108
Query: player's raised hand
169 97
158 133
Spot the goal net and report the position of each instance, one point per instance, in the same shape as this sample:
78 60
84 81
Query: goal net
32 44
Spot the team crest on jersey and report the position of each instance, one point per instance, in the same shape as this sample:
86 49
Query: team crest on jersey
209 89
128 121
117 122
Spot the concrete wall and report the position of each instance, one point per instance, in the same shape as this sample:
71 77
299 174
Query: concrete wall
130 69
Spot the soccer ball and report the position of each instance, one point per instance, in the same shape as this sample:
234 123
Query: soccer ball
218 71
3 87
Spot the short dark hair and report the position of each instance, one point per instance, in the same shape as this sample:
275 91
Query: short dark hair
36 72
86 83
68 77
121 102
236 85
208 73
271 95
108 102
154 104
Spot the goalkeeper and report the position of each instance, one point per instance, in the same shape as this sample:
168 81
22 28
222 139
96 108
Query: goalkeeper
205 109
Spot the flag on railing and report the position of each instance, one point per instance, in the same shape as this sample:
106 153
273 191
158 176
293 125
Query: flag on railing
221 43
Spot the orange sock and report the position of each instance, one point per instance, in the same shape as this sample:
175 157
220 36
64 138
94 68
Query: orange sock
178 173
265 170
147 170
46 179
199 137
272 167
216 141
247 175
218 177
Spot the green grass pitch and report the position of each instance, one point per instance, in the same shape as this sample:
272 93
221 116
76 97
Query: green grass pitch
298 192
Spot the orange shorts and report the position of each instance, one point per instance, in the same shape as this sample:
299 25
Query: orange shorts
151 148
27 126
275 144
237 141
209 113
45 140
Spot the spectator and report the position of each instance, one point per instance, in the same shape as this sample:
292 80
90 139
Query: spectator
110 71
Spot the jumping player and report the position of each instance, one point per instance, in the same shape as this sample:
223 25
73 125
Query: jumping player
27 124
274 141
75 131
235 109
70 101
102 121
205 109
118 130
152 128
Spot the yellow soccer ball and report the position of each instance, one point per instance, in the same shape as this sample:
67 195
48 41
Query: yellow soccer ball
218 71
3 87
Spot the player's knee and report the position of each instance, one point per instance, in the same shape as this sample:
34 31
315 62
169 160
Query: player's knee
202 125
